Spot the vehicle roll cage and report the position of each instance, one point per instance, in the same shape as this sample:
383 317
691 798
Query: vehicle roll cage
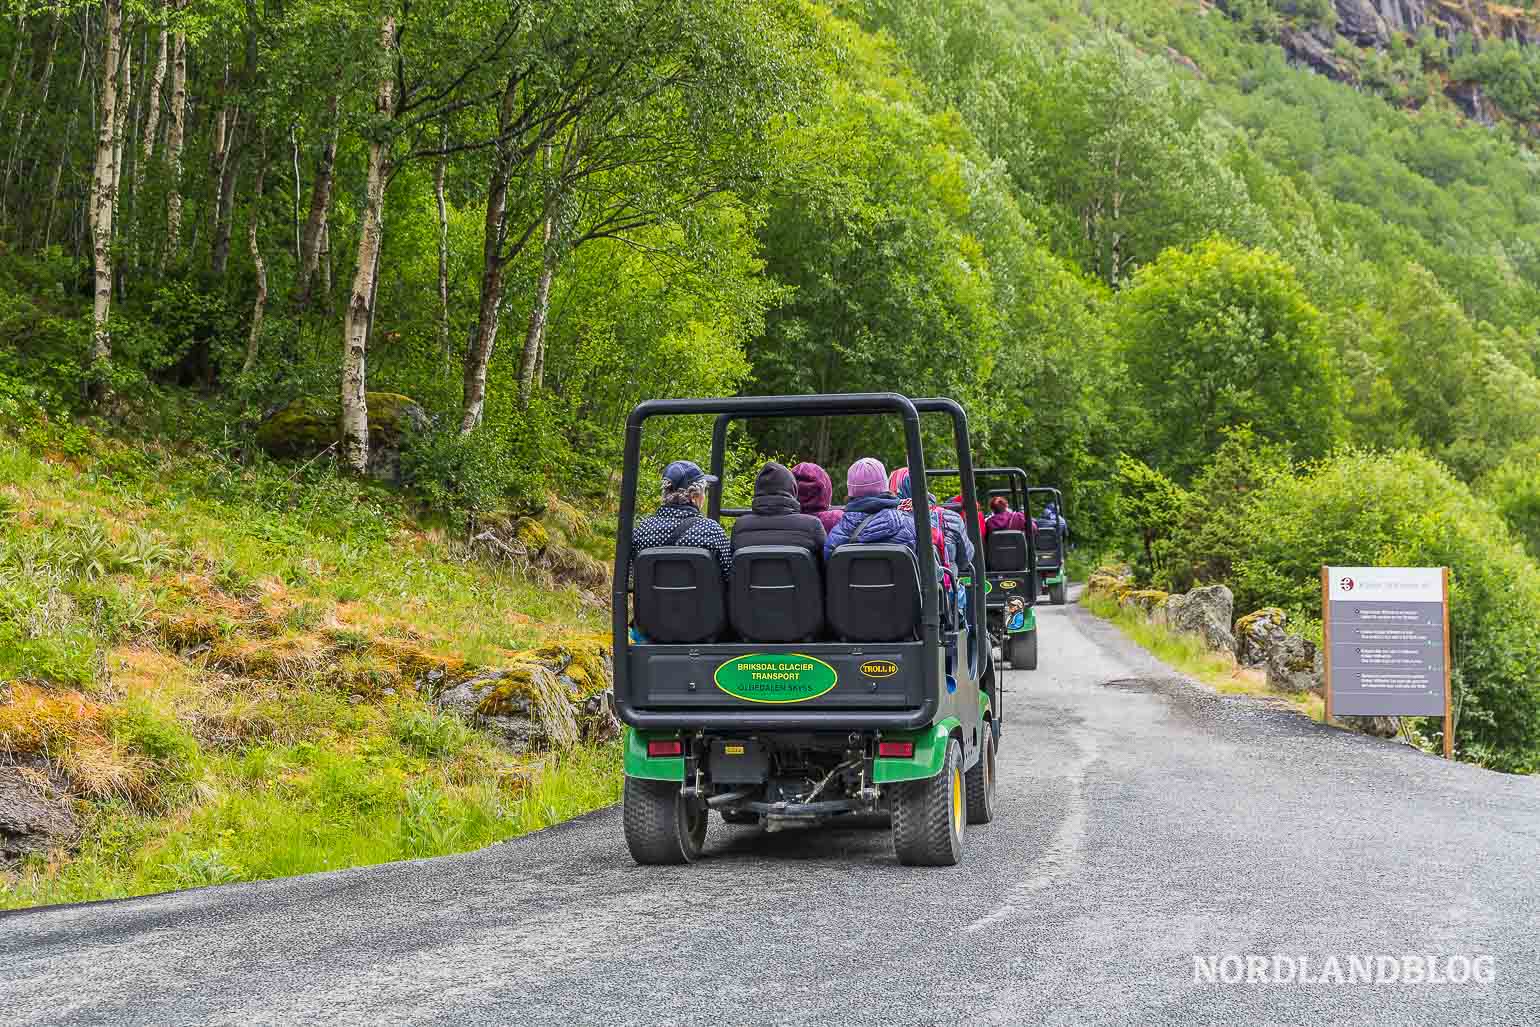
1015 475
728 410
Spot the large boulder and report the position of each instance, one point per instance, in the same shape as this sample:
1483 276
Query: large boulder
550 698
1258 634
1295 664
308 425
36 815
1205 612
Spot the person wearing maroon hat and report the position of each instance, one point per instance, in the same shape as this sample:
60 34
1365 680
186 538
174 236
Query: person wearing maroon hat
814 494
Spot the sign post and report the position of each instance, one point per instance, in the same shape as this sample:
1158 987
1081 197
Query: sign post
1386 638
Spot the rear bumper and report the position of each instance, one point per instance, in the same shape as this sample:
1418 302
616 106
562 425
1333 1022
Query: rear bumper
776 720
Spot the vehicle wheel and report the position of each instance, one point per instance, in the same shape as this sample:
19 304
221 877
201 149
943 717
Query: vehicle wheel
740 816
660 826
1023 654
928 816
1056 594
981 782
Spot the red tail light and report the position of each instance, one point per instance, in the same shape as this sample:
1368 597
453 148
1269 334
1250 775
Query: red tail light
665 747
900 750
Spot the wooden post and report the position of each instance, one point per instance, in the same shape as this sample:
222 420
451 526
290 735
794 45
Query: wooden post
1326 640
1448 679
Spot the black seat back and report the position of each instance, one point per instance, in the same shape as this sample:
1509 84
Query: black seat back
1005 552
777 594
679 595
1047 542
873 593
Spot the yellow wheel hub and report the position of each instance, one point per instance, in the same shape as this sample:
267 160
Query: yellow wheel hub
957 801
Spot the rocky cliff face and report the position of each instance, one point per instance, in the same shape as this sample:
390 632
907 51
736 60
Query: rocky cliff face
1373 23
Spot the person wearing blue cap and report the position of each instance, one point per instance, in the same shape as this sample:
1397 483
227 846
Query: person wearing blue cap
679 521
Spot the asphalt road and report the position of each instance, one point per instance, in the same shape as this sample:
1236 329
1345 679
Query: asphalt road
1145 823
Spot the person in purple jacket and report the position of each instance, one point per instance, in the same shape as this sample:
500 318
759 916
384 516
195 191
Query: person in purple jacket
815 492
872 515
1003 518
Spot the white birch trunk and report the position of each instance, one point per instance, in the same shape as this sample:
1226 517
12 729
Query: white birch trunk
176 131
104 180
355 323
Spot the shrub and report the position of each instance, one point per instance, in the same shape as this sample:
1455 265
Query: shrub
1514 488
1205 542
1148 504
1404 509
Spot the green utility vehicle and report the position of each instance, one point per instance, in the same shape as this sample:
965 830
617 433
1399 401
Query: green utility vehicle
1010 592
1052 542
798 692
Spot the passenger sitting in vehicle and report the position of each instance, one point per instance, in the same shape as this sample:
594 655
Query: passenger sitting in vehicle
1003 518
679 521
871 516
777 518
815 492
959 548
1052 521
956 503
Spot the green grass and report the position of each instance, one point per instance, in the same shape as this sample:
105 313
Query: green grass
1187 653
276 811
226 664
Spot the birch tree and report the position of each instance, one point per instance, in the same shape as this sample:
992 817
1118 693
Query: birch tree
104 181
356 319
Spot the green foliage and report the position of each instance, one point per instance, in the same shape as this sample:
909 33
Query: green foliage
1514 489
1510 74
1205 538
141 727
463 475
1149 504
1222 336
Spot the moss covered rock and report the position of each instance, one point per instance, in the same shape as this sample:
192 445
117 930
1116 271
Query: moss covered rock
310 424
1205 612
1295 664
1112 580
1257 634
531 534
549 697
1143 600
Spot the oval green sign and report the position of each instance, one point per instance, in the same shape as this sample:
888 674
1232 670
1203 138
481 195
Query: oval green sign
776 677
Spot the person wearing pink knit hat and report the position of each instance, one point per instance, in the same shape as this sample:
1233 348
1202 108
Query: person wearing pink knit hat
866 477
872 514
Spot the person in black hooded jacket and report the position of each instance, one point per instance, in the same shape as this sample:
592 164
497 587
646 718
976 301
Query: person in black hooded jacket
777 518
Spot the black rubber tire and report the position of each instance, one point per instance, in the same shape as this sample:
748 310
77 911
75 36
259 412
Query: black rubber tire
981 782
661 828
1023 650
929 815
1056 594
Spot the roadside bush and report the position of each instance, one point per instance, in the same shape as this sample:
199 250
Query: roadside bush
1404 509
1205 543
460 476
1514 488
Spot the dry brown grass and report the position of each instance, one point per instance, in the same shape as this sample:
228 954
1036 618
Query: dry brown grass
68 730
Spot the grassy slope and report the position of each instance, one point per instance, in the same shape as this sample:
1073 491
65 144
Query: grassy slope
222 666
